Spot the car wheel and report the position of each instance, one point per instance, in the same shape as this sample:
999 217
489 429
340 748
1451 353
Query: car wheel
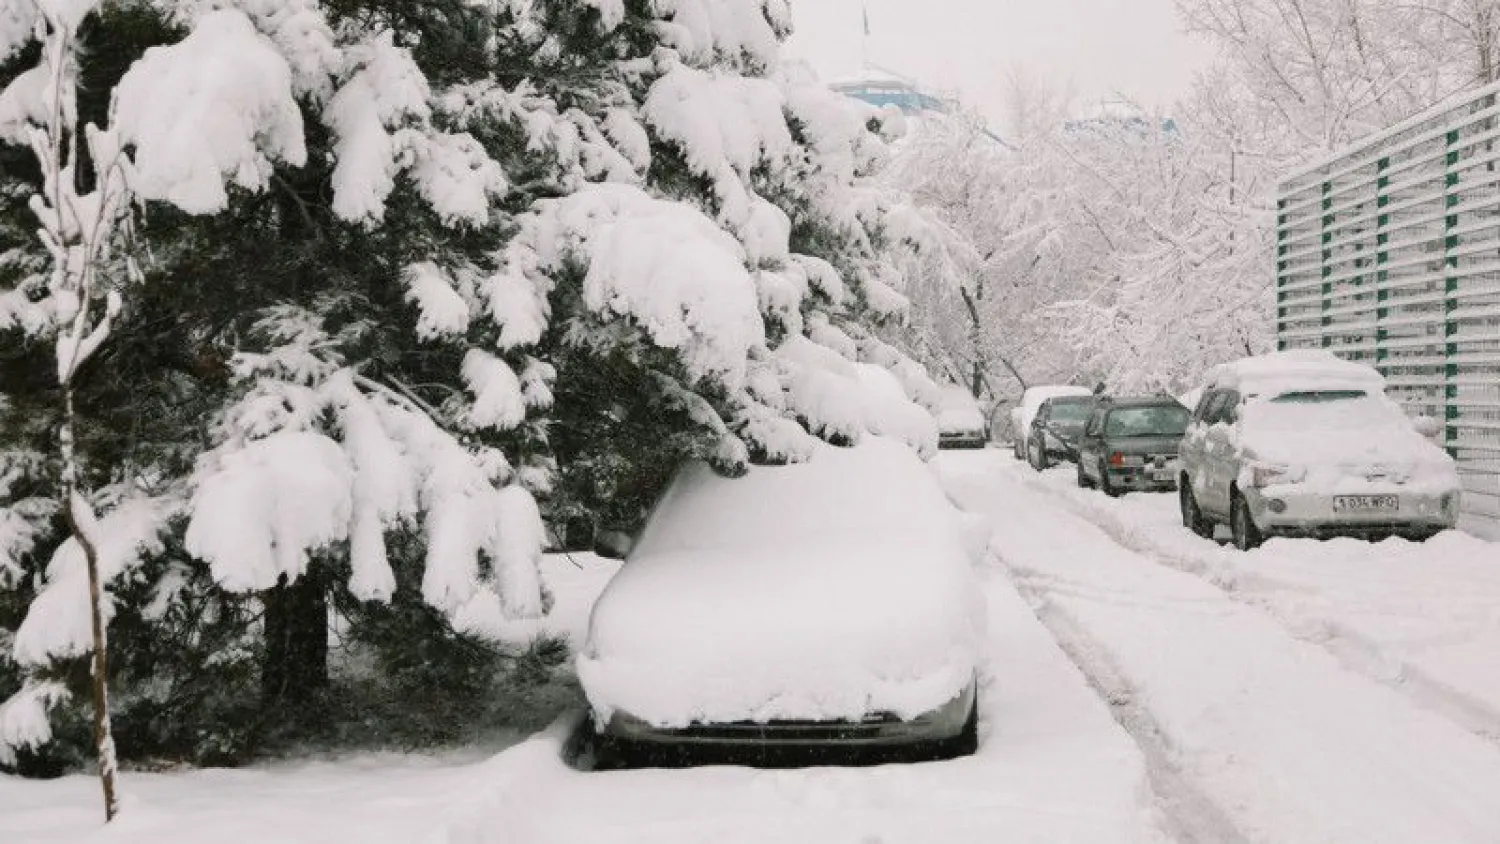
605 752
1192 517
1042 463
1083 478
1106 484
967 742
1246 535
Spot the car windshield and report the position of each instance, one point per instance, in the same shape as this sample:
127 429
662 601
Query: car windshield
1072 411
1324 410
1167 420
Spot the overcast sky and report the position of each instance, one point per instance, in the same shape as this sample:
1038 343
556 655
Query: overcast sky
968 46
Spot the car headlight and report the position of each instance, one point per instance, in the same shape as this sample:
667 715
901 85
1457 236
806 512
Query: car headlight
1269 474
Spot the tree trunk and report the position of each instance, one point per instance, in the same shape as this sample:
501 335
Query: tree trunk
104 739
295 666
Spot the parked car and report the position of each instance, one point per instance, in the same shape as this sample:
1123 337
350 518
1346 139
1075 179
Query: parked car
1132 444
1303 443
961 424
1022 414
796 610
1056 428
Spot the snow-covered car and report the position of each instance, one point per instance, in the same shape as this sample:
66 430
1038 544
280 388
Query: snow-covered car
818 604
1304 443
961 424
1132 443
1056 428
1022 414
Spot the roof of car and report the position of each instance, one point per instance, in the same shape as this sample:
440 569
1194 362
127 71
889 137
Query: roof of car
1279 372
1071 400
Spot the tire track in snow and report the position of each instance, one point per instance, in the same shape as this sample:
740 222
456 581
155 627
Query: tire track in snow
1191 817
1355 651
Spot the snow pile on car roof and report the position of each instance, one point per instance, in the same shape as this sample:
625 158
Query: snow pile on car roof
1305 369
823 590
1032 399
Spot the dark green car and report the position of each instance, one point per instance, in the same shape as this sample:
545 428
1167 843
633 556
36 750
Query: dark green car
1132 444
1056 428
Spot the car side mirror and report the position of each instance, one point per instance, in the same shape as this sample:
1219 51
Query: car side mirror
613 544
1427 426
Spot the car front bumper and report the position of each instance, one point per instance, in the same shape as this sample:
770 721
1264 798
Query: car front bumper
876 731
1286 510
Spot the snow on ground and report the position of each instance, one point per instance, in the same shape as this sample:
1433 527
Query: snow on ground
1286 741
1421 616
1053 766
383 798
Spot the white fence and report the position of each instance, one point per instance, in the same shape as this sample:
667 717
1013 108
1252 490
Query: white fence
1389 253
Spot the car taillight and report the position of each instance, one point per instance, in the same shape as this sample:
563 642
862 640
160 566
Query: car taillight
1117 459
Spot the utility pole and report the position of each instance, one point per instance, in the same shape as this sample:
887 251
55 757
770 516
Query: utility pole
864 48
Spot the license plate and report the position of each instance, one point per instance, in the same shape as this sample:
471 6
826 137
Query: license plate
1162 475
1366 504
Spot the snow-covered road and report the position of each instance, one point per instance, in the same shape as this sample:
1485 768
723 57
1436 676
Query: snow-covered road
1143 685
1281 734
1053 766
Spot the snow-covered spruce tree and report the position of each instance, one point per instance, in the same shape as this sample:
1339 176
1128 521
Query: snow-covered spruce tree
301 421
721 295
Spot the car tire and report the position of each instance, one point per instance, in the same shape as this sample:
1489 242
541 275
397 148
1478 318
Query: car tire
1247 537
1106 485
1192 515
1036 455
967 742
1083 478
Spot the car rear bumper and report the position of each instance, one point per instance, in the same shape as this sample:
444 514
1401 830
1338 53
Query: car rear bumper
874 732
1143 479
963 440
1286 511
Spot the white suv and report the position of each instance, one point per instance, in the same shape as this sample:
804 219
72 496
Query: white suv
1303 443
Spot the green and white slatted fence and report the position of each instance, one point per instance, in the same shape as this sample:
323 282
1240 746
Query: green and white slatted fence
1389 253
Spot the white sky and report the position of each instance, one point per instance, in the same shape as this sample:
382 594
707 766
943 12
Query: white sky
1092 47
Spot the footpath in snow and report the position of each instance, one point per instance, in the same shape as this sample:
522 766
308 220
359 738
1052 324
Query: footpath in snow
1422 617
1289 743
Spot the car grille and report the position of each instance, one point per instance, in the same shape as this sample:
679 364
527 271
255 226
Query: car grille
870 725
